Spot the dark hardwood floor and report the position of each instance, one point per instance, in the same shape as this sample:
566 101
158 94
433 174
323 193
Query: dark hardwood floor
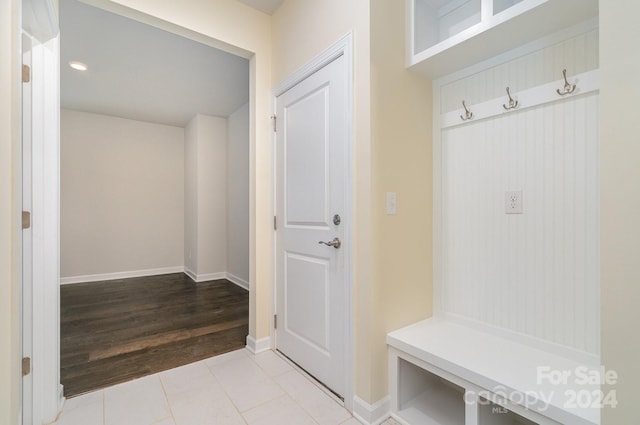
119 330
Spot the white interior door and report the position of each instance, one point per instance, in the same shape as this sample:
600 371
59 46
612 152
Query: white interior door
312 171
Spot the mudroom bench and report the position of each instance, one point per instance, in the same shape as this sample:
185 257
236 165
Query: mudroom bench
445 373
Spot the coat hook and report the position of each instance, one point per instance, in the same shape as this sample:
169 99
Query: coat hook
467 113
568 88
512 102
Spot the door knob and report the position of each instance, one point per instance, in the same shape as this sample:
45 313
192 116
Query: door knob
334 243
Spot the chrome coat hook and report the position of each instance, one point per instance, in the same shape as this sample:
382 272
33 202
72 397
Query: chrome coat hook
568 88
467 113
513 104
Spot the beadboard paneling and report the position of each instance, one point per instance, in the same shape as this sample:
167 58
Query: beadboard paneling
577 55
535 273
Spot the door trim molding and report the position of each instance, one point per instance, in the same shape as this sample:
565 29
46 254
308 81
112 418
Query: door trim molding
43 403
342 47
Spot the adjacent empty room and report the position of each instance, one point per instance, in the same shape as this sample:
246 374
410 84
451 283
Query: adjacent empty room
154 199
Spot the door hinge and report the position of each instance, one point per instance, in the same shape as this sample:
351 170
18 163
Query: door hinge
26 366
26 219
26 73
275 321
275 121
275 223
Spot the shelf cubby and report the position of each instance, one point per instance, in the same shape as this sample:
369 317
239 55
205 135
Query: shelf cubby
444 373
448 35
502 5
428 399
439 20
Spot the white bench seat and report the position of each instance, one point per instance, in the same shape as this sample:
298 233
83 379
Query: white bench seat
482 363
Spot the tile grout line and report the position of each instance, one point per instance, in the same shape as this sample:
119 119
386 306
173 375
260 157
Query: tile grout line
224 390
252 357
280 386
312 380
244 355
166 397
249 355
298 370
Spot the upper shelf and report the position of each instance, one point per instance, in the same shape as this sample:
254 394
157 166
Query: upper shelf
448 35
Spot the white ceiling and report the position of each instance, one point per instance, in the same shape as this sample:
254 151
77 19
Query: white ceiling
266 6
143 73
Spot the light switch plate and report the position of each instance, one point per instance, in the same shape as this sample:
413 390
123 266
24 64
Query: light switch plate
392 202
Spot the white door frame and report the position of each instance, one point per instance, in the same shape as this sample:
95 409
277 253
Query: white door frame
343 47
26 289
43 400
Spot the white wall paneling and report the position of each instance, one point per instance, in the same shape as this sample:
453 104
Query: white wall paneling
535 274
544 65
587 82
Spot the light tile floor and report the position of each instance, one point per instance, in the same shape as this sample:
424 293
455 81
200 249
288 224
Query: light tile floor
236 388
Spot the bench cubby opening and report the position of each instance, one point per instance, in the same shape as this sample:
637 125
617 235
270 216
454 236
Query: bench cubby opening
426 398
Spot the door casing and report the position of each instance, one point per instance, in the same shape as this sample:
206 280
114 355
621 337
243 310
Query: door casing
343 47
41 396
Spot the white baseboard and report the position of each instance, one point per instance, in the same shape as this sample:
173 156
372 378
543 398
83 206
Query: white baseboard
210 276
256 346
240 282
372 414
154 272
191 274
204 277
120 275
61 399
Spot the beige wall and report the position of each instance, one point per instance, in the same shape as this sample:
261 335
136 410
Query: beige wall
392 153
212 194
238 25
401 162
206 195
238 193
122 195
620 203
191 196
301 31
219 19
9 272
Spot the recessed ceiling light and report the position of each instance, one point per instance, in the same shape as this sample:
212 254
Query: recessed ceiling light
78 66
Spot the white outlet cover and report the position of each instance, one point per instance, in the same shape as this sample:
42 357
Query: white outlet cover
392 203
513 202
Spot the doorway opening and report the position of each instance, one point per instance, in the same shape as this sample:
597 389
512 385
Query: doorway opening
154 205
313 279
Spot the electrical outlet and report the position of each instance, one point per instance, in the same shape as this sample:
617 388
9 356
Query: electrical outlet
513 202
391 203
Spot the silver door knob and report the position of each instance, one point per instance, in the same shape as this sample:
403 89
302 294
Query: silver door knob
334 243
